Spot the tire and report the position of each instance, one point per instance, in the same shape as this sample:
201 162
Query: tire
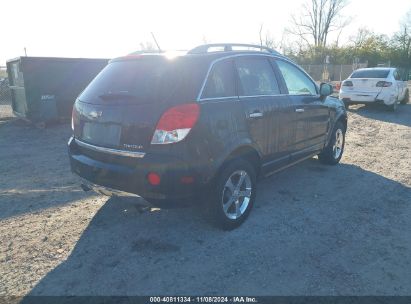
330 155
406 98
393 107
226 208
347 105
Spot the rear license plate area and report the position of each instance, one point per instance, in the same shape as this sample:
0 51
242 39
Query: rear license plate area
101 134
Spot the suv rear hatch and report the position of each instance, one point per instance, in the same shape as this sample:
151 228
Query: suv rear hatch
122 105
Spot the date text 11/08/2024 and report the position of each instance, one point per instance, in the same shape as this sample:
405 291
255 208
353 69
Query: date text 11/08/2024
204 299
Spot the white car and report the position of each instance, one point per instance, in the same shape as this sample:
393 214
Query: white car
375 85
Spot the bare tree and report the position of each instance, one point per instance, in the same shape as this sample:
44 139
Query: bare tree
317 19
402 41
147 46
267 40
361 37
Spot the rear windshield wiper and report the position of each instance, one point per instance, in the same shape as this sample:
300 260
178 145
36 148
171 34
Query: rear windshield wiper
114 95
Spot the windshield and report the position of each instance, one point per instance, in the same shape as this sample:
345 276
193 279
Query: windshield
370 74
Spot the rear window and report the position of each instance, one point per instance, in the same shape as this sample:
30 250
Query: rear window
144 80
370 74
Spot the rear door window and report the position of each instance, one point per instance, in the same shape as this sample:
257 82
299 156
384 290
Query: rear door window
220 83
298 83
256 77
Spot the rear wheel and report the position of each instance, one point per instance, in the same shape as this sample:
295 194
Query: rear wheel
332 153
406 98
233 195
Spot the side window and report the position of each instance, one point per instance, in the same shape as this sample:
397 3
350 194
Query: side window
256 77
297 82
220 82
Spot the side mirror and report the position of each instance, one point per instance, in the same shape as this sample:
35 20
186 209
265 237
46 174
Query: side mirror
325 89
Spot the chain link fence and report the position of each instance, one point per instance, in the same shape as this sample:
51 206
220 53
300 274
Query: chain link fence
5 95
338 73
331 72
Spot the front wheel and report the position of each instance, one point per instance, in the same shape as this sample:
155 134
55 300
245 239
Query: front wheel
332 153
233 195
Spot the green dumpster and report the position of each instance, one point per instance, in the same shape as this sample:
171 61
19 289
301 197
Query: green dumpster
43 89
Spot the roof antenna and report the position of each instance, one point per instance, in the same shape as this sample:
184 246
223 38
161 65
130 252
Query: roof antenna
155 40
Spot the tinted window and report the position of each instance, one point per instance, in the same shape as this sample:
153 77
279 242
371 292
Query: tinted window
220 82
144 80
298 83
370 74
256 77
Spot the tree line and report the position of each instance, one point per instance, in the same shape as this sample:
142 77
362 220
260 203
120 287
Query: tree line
311 28
319 18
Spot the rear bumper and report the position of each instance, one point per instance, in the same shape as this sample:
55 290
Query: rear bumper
122 174
384 97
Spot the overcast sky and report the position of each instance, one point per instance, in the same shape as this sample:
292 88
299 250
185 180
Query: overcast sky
106 29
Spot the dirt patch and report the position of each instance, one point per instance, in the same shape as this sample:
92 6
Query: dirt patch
315 230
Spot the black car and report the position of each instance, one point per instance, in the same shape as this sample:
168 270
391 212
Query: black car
203 125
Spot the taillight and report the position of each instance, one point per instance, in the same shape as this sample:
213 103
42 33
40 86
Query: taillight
384 84
347 83
175 124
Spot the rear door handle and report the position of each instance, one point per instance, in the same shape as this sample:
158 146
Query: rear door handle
256 115
299 110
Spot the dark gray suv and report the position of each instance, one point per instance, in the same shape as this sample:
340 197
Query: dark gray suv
203 125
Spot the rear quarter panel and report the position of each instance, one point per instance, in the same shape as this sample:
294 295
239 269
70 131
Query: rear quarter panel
337 112
220 130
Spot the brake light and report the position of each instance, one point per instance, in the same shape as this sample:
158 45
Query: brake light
384 84
347 83
175 124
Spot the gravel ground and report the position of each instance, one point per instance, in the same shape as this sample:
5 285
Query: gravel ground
315 229
5 113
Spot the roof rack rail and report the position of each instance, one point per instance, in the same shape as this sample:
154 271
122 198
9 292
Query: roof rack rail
228 47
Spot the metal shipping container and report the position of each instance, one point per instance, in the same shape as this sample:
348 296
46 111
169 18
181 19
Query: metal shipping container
44 89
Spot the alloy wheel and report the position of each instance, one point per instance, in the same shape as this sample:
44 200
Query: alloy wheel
236 194
339 142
